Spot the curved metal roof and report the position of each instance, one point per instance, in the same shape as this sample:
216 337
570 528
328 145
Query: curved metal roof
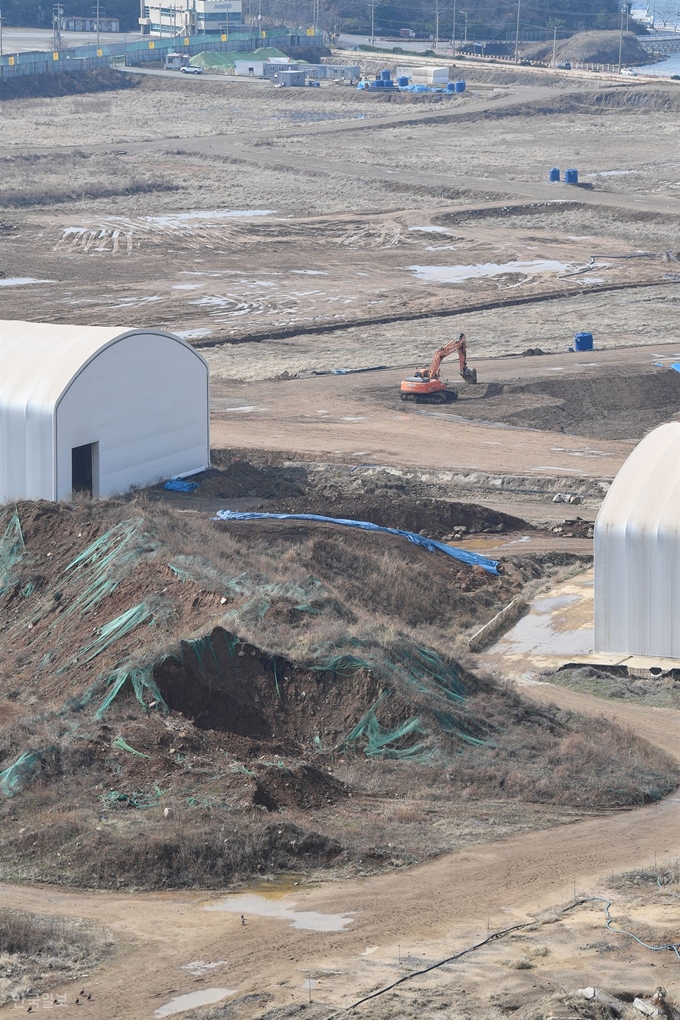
39 360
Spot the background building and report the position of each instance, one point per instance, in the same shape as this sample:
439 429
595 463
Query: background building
637 552
86 408
189 17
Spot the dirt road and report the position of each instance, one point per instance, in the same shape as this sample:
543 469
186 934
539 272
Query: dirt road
361 416
430 908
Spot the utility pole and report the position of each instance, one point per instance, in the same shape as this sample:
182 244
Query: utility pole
57 12
373 3
453 41
465 15
436 26
97 24
621 39
554 45
0 31
517 34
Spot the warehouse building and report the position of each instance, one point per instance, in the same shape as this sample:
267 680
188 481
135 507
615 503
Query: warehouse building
637 552
97 410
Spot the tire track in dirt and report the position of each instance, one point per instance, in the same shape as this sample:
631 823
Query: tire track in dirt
434 904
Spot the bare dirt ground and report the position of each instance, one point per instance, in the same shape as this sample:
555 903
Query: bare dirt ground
299 233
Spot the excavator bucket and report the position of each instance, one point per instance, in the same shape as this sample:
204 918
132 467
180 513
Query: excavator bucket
469 374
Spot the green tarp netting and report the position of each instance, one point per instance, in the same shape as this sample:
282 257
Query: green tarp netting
11 549
142 683
18 775
98 570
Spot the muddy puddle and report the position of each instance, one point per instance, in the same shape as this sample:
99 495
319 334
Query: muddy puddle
276 902
458 274
553 627
21 281
204 997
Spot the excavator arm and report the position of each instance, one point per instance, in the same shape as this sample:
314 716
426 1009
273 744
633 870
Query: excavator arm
426 384
459 345
451 347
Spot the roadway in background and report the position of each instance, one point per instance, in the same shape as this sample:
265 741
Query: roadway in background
24 40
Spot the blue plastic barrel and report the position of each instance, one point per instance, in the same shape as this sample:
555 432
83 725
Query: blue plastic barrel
555 174
402 81
459 86
583 341
385 75
450 86
571 176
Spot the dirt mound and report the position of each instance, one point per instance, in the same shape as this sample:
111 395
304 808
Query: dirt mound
67 84
612 406
167 685
392 508
592 48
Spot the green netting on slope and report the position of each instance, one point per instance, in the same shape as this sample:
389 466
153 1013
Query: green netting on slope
254 591
225 61
11 550
380 742
114 630
18 775
97 571
142 683
437 697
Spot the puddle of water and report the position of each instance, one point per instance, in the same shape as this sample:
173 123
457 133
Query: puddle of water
457 274
200 967
21 281
180 219
552 628
187 286
272 906
246 409
614 173
192 334
310 983
433 230
309 272
192 999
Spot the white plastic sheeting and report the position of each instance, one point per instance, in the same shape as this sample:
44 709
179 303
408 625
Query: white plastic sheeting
637 552
140 395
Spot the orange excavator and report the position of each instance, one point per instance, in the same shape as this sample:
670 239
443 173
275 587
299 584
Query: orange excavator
426 385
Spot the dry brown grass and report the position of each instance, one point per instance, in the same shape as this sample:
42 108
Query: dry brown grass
36 951
214 760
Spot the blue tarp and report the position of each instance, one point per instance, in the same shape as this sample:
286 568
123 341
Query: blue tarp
472 558
178 485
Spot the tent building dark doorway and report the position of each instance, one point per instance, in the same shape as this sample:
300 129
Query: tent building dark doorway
83 463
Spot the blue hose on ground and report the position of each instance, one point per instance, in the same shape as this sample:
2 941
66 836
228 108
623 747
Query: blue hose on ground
471 558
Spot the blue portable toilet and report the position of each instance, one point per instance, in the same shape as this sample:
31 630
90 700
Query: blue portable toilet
583 341
555 174
571 176
402 81
385 75
459 86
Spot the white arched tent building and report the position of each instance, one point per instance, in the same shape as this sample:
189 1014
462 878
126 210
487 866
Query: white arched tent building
97 409
637 552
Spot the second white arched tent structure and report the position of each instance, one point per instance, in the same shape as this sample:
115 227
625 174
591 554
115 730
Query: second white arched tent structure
637 552
98 409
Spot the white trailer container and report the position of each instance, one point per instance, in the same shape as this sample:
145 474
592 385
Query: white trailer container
425 75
